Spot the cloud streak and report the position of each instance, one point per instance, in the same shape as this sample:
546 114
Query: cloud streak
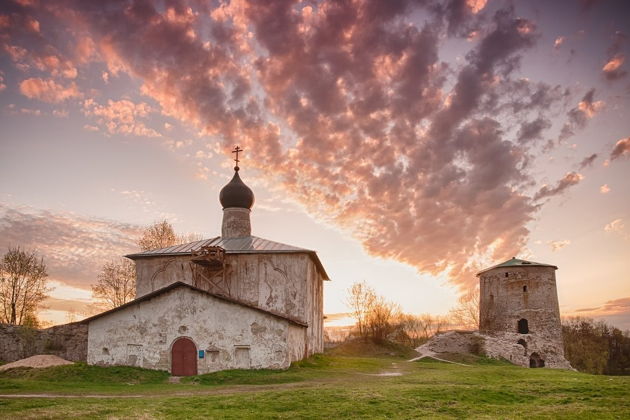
73 247
569 180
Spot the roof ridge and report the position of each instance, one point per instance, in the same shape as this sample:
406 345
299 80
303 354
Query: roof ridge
244 245
517 262
177 284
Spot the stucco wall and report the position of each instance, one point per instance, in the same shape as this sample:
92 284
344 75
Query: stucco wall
503 302
142 334
297 342
158 272
288 284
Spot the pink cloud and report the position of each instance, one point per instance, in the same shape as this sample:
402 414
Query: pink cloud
74 247
559 41
120 117
569 180
47 90
612 69
350 108
621 149
578 116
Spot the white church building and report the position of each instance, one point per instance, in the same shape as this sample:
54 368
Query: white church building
229 302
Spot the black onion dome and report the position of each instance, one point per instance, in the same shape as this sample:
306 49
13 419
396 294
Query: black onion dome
236 194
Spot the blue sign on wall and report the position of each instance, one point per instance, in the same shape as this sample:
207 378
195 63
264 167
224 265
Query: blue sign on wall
202 354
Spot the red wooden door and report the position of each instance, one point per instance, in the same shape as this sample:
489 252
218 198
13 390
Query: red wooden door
183 358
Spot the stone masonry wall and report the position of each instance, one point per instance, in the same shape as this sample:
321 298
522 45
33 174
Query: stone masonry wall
510 294
498 346
68 341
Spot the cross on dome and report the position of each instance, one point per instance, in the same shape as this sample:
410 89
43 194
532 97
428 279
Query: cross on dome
236 150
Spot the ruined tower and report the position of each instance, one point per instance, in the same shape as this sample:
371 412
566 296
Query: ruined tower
518 301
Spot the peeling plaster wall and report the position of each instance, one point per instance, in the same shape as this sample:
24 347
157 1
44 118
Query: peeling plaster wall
157 272
288 284
297 343
142 334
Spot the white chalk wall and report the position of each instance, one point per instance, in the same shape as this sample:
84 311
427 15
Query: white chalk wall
142 334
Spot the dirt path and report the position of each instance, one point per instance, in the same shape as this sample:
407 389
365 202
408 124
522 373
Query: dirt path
397 369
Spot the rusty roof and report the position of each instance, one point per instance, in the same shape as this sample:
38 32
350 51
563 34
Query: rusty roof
515 262
178 284
244 245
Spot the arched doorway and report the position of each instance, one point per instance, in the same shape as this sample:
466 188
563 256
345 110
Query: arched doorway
183 357
535 361
523 328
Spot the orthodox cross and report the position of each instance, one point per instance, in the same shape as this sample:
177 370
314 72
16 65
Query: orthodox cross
236 150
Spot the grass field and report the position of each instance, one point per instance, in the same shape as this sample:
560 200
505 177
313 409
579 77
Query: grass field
331 386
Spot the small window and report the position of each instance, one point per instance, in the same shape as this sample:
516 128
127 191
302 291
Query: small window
523 328
242 357
213 355
506 275
524 289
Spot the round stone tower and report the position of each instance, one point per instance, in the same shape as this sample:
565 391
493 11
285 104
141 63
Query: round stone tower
518 301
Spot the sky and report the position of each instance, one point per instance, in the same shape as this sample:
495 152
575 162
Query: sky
410 143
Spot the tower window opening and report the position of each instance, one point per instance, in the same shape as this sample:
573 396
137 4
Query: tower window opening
506 275
524 289
523 328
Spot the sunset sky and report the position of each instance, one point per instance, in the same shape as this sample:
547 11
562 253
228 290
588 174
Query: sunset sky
410 143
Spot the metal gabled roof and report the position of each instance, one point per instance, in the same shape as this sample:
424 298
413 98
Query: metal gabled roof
244 245
515 262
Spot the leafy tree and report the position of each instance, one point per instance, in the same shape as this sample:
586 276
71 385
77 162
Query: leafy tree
23 286
116 284
596 347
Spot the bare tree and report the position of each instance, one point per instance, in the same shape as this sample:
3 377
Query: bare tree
161 235
116 284
466 313
185 238
361 299
418 328
381 318
158 235
23 286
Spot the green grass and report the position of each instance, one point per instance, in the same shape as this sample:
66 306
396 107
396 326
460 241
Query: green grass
322 387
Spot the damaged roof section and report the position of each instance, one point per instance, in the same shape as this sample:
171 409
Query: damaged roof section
244 245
